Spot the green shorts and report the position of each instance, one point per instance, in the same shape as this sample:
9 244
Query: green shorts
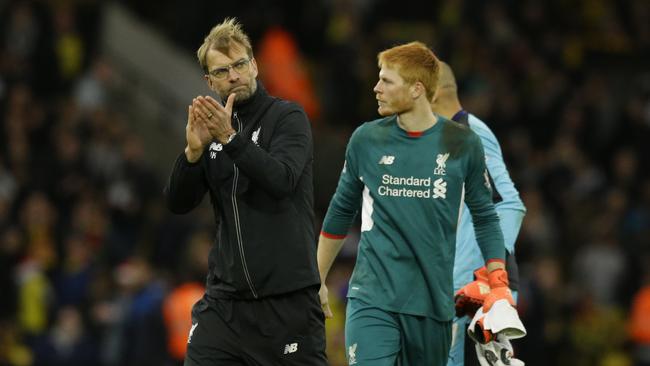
376 337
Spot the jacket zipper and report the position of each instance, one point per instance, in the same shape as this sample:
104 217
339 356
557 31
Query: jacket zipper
235 209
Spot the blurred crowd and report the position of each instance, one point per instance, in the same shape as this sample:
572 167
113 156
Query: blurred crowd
95 271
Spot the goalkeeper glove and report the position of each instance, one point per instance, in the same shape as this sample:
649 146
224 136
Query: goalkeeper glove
502 319
497 353
469 298
499 290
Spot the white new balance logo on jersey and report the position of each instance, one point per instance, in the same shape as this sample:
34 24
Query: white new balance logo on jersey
387 160
290 348
439 188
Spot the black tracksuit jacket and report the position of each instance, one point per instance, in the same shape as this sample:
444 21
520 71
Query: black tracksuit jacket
261 189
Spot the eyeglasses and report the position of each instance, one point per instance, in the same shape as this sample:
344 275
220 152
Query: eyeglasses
223 72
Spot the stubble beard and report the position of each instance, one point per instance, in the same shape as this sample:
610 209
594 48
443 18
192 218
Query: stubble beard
245 92
399 106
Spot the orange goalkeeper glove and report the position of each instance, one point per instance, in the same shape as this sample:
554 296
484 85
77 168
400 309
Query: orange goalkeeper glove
498 281
469 298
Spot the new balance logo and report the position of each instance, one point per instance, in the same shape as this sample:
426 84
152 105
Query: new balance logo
441 160
290 348
189 339
439 188
387 160
214 148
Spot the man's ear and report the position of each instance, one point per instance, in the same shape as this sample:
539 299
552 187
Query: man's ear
208 80
417 89
254 69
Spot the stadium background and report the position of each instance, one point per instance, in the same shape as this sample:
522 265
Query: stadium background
95 271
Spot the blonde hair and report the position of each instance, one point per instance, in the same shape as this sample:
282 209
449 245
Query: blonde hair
414 62
223 37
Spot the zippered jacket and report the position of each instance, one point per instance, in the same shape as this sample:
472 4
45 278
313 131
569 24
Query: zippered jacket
261 189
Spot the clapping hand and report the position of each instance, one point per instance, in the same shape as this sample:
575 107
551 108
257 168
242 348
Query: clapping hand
216 117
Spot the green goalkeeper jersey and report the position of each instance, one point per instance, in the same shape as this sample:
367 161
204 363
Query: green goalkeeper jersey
410 189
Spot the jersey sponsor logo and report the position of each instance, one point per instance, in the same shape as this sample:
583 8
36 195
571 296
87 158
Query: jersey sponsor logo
352 354
439 188
441 160
256 136
290 348
214 148
189 339
411 187
387 160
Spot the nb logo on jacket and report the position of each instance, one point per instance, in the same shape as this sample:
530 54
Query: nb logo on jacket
290 348
214 148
